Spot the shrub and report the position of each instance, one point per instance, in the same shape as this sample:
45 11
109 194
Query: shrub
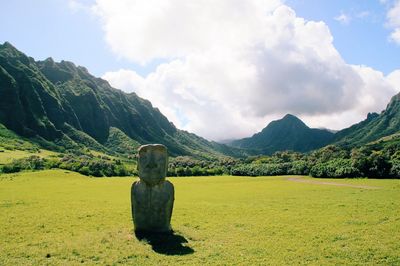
336 168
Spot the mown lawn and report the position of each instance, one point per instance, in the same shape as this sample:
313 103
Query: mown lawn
60 217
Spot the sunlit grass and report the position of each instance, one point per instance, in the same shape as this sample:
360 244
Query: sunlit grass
7 156
60 217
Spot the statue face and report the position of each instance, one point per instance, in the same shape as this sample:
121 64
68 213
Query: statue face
152 163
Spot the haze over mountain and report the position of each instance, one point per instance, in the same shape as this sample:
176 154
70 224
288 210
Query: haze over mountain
60 104
288 133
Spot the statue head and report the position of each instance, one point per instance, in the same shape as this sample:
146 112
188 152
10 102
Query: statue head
152 163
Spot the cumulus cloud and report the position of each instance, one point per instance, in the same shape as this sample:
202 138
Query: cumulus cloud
393 21
232 66
394 79
143 30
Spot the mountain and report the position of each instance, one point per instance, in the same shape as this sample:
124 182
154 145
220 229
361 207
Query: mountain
288 133
60 105
374 127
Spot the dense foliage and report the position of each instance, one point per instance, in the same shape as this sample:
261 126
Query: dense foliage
85 164
379 159
187 166
376 160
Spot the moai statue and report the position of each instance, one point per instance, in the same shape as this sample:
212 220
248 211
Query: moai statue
152 197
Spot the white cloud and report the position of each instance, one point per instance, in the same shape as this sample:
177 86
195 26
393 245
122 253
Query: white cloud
79 5
143 30
126 80
373 96
393 21
233 66
343 18
394 79
363 14
395 35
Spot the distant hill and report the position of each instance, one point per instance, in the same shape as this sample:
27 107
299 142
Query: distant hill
62 106
376 126
288 133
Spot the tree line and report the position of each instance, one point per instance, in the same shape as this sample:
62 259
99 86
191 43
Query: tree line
376 160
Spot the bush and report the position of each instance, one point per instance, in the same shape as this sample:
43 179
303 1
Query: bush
95 166
31 163
300 167
395 169
379 165
336 168
258 169
10 168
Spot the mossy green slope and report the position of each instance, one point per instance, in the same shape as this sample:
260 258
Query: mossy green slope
374 127
288 133
46 99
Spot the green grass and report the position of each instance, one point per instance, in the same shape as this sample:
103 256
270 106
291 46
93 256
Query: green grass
7 156
226 220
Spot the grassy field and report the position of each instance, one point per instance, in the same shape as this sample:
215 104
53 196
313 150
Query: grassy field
6 156
59 217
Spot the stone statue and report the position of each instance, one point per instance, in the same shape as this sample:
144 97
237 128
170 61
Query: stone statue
152 197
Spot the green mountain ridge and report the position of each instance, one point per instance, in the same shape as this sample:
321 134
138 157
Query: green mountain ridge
288 133
58 106
63 105
376 126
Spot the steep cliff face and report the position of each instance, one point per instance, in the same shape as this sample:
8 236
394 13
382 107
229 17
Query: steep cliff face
46 99
30 104
61 101
98 106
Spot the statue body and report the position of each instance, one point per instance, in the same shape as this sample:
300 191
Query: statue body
152 197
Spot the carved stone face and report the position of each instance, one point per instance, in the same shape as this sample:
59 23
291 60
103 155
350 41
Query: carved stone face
152 163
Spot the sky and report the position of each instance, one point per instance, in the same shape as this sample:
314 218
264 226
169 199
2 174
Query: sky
224 69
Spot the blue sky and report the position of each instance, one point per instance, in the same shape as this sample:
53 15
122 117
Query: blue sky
234 66
53 28
364 39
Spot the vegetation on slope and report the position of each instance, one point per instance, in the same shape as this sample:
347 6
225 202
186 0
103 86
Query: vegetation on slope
374 127
62 106
379 159
11 141
288 133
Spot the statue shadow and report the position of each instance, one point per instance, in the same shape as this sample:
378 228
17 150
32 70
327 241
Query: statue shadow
165 243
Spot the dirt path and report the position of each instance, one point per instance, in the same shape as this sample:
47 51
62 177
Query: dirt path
303 180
